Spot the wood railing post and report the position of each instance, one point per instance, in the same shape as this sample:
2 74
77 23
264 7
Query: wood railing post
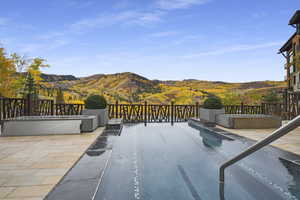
145 112
28 106
172 112
52 107
197 110
262 105
242 108
117 109
3 109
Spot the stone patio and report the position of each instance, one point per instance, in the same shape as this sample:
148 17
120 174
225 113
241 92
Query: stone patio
289 142
31 166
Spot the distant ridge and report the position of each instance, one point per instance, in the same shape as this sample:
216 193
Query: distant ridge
132 87
56 78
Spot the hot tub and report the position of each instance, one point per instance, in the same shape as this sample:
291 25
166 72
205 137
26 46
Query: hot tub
248 121
48 125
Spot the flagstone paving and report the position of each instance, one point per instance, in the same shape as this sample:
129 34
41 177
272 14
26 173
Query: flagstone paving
289 142
31 166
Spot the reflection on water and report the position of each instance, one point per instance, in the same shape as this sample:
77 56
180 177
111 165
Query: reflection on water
210 140
95 153
294 171
103 142
99 147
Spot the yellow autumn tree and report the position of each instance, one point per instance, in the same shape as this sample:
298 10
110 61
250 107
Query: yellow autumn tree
7 73
13 72
26 68
34 69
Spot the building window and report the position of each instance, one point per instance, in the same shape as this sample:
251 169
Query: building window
294 81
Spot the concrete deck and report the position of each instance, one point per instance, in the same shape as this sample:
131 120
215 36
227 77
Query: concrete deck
289 142
31 166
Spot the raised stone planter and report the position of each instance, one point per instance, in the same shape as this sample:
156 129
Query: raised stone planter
209 115
89 124
101 114
247 121
48 125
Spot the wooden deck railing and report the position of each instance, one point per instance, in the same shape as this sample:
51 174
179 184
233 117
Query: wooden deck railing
16 107
12 107
264 108
68 109
153 112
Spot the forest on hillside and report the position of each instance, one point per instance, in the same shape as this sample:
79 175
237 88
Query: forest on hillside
125 87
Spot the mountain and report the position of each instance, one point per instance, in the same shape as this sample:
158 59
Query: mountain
130 87
56 78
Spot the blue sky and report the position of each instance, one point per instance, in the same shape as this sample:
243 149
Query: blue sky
225 40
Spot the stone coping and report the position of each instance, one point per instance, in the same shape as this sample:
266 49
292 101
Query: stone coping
249 116
31 166
53 117
289 142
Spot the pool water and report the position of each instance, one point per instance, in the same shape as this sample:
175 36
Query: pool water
160 161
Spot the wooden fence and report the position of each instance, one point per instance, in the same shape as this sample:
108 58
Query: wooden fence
152 112
11 108
17 107
68 109
264 108
180 113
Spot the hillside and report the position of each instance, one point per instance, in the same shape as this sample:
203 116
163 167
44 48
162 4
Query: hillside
129 87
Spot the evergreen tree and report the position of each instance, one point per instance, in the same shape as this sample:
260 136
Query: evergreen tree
31 87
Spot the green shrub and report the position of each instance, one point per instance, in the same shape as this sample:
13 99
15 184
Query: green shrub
95 102
213 102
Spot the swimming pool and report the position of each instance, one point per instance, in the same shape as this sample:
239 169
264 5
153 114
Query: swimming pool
160 161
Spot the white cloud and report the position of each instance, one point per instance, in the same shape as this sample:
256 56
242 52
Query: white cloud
51 35
235 48
33 48
123 18
179 4
188 38
7 40
30 48
105 20
147 18
164 34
